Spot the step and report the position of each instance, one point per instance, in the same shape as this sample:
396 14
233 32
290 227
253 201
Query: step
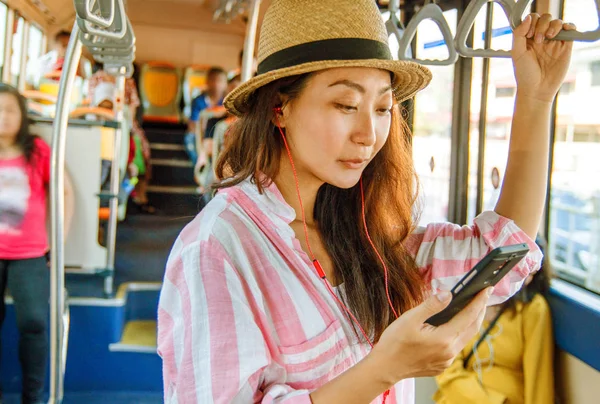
172 163
165 137
168 151
173 189
173 176
176 204
138 336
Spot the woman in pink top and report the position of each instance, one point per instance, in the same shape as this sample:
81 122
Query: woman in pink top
24 178
305 279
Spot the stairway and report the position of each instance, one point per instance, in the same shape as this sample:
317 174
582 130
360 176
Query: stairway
172 187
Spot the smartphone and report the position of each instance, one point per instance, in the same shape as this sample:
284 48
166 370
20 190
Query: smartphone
488 272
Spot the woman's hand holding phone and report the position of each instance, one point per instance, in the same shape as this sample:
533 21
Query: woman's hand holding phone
410 347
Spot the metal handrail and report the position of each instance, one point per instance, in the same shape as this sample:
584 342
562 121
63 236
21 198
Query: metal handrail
57 182
116 30
126 41
466 23
393 25
113 204
250 41
433 12
516 19
85 10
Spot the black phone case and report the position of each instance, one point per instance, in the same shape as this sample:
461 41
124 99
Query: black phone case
488 272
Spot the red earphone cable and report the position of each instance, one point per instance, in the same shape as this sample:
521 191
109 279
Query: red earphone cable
385 270
316 263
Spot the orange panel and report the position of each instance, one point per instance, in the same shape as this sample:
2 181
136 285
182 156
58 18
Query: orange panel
160 87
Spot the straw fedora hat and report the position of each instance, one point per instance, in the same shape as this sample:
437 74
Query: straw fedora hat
302 36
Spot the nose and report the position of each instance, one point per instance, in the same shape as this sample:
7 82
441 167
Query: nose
364 133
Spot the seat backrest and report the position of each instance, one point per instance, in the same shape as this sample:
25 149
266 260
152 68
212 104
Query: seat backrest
194 83
160 90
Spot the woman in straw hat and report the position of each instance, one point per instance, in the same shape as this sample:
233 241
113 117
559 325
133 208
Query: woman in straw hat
305 280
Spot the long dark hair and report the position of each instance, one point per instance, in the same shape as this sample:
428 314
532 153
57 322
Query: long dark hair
25 140
254 147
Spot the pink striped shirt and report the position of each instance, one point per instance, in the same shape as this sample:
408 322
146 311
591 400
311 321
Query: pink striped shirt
243 317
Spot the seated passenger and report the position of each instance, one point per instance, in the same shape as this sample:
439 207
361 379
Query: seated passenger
205 164
238 71
24 194
216 85
511 359
142 146
52 61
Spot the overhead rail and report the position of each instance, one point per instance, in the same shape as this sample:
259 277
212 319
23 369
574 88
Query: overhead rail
230 9
430 11
588 36
106 30
466 24
458 45
118 26
92 11
393 25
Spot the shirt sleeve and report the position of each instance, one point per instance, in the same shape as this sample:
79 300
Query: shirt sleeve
457 385
444 252
538 355
212 347
42 159
197 107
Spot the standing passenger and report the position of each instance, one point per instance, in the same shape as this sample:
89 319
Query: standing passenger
24 180
287 287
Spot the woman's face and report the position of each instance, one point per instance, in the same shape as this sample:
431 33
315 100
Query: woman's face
10 116
338 123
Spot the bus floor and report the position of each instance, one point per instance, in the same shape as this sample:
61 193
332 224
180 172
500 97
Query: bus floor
99 398
142 249
112 342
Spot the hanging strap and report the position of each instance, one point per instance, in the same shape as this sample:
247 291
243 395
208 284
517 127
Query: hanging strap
484 334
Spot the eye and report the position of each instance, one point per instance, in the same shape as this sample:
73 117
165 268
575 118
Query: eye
346 108
385 111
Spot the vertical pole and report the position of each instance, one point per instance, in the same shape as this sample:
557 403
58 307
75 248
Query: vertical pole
24 57
57 177
250 41
115 176
483 112
10 20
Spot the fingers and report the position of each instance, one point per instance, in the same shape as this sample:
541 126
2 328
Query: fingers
535 17
520 35
433 305
569 26
525 27
467 316
542 27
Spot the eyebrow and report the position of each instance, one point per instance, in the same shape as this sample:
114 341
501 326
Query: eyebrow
355 86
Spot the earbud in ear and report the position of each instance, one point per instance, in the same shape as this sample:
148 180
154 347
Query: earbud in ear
277 110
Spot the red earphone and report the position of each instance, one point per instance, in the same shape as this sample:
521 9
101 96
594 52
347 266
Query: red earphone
320 272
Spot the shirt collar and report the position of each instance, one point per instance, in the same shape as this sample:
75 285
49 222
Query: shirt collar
271 200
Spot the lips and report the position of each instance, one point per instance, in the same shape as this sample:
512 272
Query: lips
354 163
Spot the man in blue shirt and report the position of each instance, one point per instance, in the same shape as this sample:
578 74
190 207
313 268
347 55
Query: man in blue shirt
216 86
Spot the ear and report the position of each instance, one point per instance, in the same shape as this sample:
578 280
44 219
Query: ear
280 112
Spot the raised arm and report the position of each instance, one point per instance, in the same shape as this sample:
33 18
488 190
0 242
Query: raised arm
540 68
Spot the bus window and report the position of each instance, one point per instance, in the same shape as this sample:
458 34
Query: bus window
35 42
432 126
3 17
500 98
17 48
574 228
475 108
